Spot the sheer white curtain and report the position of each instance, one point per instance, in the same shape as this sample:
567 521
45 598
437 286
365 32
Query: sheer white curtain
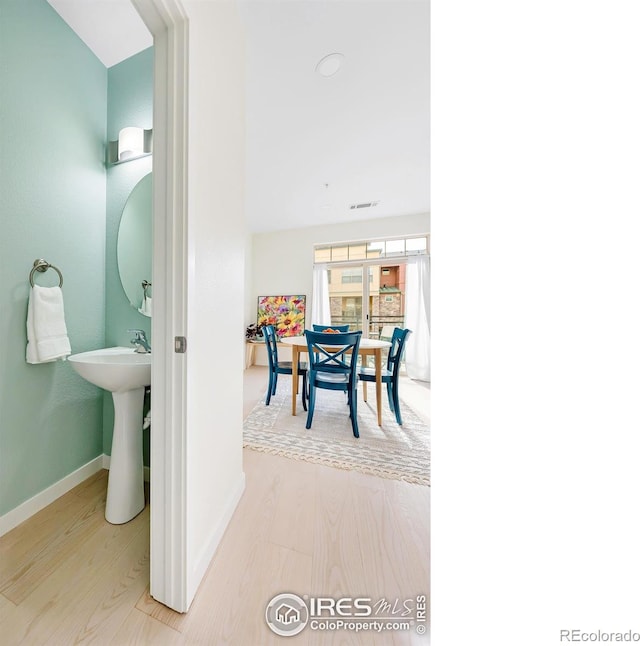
320 306
418 318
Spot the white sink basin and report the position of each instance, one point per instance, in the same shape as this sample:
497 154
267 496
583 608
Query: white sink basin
114 369
126 374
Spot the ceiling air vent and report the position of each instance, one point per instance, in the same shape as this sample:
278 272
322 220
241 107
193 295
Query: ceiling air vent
363 205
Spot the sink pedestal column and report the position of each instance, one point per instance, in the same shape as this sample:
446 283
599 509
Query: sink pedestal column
125 491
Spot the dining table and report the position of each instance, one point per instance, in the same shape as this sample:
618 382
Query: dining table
368 347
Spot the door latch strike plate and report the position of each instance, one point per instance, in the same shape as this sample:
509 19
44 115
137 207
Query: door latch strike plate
180 344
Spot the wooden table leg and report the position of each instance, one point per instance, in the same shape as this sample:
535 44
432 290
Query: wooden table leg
250 358
295 355
378 360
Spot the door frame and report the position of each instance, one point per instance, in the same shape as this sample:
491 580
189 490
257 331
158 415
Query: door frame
168 23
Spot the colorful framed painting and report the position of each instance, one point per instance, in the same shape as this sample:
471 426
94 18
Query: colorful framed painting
285 313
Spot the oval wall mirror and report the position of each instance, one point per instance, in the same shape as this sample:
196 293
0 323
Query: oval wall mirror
135 246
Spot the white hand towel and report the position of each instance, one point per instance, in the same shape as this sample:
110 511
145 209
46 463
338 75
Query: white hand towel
47 338
146 306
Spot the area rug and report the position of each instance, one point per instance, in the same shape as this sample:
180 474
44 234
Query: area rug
389 451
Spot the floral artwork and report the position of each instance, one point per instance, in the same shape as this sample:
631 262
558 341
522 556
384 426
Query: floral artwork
285 313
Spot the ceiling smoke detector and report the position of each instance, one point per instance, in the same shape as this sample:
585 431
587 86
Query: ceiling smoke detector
330 64
363 205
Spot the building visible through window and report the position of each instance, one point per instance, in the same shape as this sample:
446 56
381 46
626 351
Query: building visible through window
377 305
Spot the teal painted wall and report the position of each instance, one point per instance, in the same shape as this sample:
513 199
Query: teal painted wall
53 101
130 103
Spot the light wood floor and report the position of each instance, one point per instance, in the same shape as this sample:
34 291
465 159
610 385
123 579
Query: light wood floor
69 577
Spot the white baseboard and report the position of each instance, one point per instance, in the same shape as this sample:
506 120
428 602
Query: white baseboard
32 506
204 559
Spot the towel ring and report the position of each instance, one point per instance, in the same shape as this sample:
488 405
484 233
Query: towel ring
42 265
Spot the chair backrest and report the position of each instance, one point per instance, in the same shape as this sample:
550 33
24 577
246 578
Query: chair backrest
387 332
397 347
322 328
330 352
269 334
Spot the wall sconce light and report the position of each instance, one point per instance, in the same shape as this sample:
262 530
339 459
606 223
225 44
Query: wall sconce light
132 143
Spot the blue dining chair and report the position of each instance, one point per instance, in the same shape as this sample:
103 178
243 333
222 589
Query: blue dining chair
391 373
333 366
322 328
281 367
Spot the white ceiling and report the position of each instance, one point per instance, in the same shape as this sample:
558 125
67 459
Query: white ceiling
112 29
315 145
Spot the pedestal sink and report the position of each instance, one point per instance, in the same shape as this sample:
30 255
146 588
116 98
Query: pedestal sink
125 374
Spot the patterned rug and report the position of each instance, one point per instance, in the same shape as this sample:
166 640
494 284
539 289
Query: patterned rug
389 451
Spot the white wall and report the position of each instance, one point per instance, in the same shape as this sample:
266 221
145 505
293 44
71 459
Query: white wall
216 240
249 306
282 262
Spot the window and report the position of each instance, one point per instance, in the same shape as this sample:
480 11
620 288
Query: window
354 275
378 302
378 249
351 276
351 310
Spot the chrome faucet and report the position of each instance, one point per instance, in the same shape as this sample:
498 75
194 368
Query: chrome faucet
140 341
